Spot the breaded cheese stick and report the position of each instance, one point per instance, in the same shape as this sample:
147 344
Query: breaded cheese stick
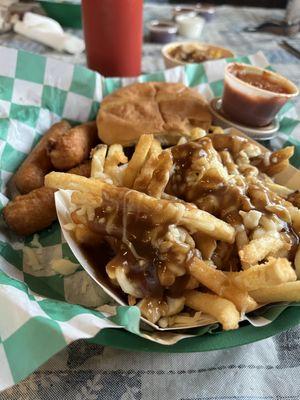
31 212
31 173
73 147
34 211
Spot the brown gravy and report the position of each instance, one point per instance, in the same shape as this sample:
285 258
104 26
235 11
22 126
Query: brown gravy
141 260
262 82
98 257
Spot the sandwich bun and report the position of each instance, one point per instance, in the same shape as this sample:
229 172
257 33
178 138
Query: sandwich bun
167 110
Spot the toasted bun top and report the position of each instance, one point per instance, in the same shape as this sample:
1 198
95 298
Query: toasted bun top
167 110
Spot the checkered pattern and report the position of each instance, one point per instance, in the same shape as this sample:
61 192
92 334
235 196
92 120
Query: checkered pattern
35 92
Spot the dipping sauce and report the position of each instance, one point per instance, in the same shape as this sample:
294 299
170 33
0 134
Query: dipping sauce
162 31
253 96
262 81
195 54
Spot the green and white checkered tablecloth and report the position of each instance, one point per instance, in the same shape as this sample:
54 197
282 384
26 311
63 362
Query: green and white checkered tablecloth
35 92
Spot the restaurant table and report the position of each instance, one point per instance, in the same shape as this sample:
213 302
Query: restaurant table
268 369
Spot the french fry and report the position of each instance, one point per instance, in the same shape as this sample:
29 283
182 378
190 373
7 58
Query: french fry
192 219
205 244
289 291
260 248
241 237
115 156
273 272
222 309
155 148
279 160
202 221
219 283
144 177
227 160
137 160
160 175
62 180
98 159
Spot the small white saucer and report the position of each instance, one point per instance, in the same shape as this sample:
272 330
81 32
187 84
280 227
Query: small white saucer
260 133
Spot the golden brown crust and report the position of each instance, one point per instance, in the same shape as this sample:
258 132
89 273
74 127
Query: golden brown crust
167 110
73 147
83 169
31 212
31 173
34 211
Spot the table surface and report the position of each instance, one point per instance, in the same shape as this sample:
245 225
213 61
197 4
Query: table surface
265 370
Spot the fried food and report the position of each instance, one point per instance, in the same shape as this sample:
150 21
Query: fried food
31 173
277 162
198 226
166 110
31 212
274 272
138 159
34 211
259 249
83 169
199 221
73 147
289 291
223 310
215 280
188 216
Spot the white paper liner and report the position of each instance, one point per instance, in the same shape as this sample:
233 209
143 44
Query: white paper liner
289 178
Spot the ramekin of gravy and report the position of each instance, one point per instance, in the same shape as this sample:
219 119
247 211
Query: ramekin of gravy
253 96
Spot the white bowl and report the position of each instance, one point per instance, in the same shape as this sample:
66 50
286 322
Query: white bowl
171 62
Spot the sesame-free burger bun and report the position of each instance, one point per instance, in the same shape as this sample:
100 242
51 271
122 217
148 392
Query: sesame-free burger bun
167 110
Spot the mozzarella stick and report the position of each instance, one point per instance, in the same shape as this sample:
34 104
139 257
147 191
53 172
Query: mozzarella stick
34 211
72 148
31 212
32 171
83 169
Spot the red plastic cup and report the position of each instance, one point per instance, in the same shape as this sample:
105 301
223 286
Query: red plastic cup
113 32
